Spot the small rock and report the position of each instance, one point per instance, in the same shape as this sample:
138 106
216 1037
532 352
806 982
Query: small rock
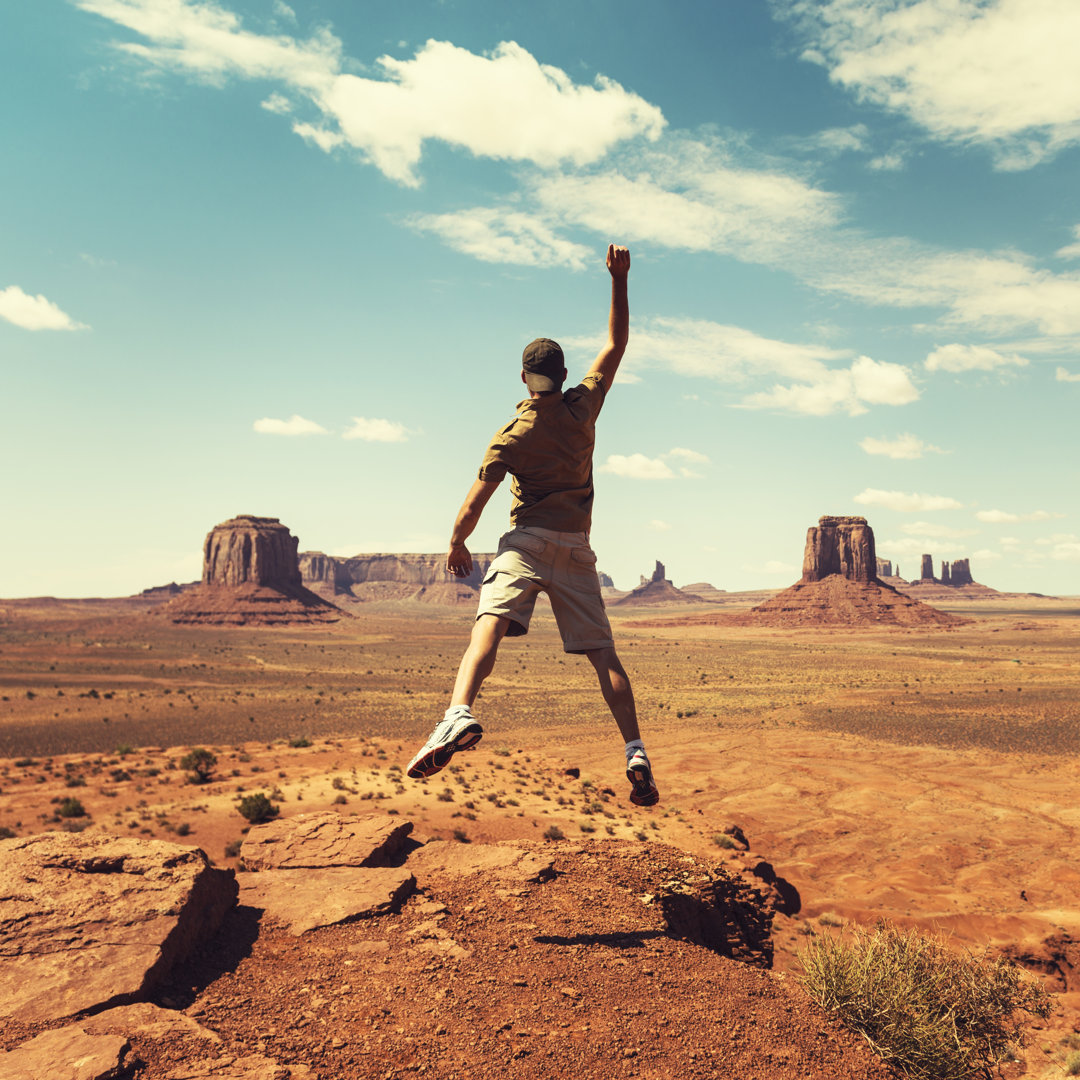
66 1053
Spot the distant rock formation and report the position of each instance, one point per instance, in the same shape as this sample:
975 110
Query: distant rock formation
954 575
251 576
397 576
839 587
884 568
605 580
656 590
840 545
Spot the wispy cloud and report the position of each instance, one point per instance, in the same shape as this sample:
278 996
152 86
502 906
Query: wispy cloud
971 358
905 501
642 467
295 425
503 236
903 447
931 529
1000 74
372 430
1071 251
1064 375
732 354
662 526
1005 517
34 312
637 467
504 104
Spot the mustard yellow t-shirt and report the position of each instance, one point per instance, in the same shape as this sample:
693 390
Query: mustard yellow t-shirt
547 449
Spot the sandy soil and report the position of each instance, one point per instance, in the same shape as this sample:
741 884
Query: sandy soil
928 776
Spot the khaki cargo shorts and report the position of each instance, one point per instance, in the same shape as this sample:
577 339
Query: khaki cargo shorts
532 560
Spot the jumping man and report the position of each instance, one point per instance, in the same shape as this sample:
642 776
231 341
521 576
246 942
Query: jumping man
547 449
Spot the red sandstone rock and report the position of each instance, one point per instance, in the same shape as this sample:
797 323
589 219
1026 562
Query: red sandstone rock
840 545
309 841
88 920
657 590
67 1053
508 863
252 549
251 577
303 900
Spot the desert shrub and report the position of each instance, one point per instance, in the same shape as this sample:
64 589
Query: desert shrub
25 763
74 781
199 763
340 800
553 832
124 750
461 836
1072 1065
183 829
930 1012
6 833
257 808
70 808
232 848
299 743
722 840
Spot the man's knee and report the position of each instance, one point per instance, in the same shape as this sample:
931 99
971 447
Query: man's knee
490 629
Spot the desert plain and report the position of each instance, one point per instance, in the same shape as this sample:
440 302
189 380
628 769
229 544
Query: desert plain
928 776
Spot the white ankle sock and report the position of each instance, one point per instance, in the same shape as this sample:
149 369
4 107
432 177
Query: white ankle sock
634 744
457 710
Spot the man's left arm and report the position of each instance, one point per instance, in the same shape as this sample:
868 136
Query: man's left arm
458 560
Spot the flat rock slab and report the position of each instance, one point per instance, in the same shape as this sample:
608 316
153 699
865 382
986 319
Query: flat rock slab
144 1018
314 841
88 920
504 863
303 902
251 1067
67 1053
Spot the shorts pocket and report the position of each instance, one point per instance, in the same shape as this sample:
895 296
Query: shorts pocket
584 555
519 541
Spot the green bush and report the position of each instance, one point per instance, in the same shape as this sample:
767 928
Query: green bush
257 808
200 764
71 808
930 1012
1072 1065
232 848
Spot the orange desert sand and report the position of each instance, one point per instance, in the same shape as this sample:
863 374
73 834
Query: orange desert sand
929 775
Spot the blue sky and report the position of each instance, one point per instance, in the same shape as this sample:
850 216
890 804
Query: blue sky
281 259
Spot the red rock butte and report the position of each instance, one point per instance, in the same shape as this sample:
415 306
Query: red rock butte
251 576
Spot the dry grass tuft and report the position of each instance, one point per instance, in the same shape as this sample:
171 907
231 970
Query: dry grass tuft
930 1012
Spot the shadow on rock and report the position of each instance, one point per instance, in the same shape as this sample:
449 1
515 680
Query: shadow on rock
221 954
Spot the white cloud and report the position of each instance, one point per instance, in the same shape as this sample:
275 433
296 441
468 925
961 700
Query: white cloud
913 546
1064 375
637 467
970 358
905 502
688 455
1057 538
998 73
376 430
985 555
504 236
278 104
656 523
295 425
944 532
34 312
903 447
1005 517
730 354
504 104
1066 552
866 382
1071 251
891 162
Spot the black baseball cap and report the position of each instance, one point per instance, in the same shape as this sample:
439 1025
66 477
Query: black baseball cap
543 364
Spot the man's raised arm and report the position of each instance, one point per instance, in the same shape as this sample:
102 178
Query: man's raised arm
458 560
608 359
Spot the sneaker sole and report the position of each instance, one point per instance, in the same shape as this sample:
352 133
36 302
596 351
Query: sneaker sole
438 758
644 791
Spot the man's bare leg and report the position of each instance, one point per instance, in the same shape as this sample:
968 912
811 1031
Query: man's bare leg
615 686
487 632
458 730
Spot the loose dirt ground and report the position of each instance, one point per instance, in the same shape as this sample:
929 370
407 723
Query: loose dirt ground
928 776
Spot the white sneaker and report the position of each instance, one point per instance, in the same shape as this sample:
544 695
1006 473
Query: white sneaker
459 732
639 773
